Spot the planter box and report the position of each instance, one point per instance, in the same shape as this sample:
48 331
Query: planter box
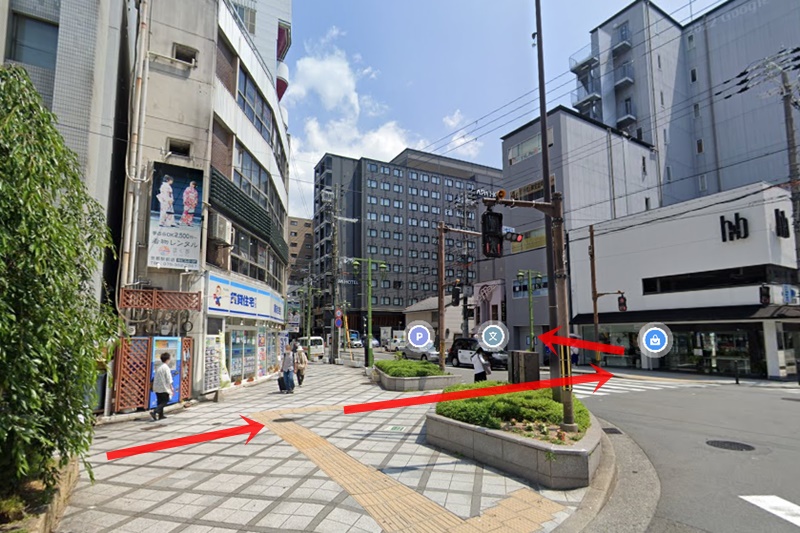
423 383
564 467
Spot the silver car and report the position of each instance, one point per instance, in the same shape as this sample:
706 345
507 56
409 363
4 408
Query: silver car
428 355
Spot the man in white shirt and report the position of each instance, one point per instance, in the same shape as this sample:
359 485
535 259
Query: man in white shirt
162 386
479 365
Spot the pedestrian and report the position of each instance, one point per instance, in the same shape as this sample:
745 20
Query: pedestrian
289 367
574 355
480 366
302 363
162 386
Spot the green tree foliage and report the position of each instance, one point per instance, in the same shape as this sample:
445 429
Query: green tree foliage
52 329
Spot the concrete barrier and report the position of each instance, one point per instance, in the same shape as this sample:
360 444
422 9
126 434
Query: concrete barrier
47 518
422 383
561 467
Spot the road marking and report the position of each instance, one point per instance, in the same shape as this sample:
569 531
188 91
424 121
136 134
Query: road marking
777 506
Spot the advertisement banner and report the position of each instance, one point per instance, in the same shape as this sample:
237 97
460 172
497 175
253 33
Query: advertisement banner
226 297
294 317
175 218
532 240
213 357
262 352
172 346
519 289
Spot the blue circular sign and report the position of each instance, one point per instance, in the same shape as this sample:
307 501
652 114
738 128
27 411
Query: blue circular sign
655 339
419 336
338 322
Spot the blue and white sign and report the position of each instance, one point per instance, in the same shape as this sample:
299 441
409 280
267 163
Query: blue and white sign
655 340
420 336
789 294
338 322
227 297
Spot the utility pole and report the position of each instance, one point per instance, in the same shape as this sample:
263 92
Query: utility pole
794 167
555 367
596 295
440 243
334 210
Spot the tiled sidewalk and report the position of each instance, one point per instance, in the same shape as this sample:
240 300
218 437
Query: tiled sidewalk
311 469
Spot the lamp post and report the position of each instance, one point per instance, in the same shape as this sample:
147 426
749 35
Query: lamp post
368 342
531 275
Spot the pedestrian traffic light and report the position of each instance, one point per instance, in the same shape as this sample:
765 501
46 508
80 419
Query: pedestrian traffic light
622 303
764 294
492 232
456 294
513 237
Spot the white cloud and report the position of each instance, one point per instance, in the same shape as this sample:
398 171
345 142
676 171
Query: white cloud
461 143
368 72
329 77
456 120
372 107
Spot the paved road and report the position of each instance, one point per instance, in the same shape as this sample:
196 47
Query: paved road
701 486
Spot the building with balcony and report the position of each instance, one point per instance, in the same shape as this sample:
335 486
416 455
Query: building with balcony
214 151
659 80
301 249
388 211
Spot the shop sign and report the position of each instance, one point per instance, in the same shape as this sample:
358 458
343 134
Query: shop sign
532 240
733 230
233 298
175 218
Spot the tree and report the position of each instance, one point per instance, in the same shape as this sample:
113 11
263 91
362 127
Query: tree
53 330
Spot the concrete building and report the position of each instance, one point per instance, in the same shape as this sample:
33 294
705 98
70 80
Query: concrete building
301 249
214 151
699 267
71 51
658 79
388 211
603 173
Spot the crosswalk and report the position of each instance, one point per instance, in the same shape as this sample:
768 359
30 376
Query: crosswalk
623 386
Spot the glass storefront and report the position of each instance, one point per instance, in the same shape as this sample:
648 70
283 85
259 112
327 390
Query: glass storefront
242 353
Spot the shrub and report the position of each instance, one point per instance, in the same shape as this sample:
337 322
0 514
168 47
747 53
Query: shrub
492 411
53 237
409 369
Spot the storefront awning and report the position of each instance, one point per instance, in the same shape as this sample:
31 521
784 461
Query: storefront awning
697 314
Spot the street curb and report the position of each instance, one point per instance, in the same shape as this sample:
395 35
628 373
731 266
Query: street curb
600 490
142 415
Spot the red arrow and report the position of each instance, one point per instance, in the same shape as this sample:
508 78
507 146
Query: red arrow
550 339
601 377
252 428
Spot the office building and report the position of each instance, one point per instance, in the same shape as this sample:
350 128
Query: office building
301 249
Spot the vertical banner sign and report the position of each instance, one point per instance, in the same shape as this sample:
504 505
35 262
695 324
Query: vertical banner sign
262 352
213 355
176 209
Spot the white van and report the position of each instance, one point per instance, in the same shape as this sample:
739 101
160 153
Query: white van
316 350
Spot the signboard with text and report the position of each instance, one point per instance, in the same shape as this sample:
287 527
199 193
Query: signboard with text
226 297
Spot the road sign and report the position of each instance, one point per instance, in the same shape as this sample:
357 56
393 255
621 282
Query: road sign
338 322
338 313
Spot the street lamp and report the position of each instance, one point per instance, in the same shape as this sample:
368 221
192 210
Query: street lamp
368 342
532 274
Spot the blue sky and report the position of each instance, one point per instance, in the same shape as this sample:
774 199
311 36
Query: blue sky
369 78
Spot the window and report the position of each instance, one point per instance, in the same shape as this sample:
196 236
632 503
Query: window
413 191
425 193
448 183
696 110
459 185
397 301
33 42
701 183
307 224
372 216
644 166
255 181
425 224
693 75
397 173
293 223
699 146
413 222
662 98
385 170
425 178
436 210
412 176
628 106
397 252
372 249
412 206
398 188
426 208
372 184
413 237
372 200
385 186
669 173
293 245
184 53
256 108
293 234
639 133
413 254
426 255
385 202
372 167
253 258
397 220
385 217
471 245
385 300
385 234
385 250
398 236
426 286
426 239
398 204
248 17
450 242
435 180
448 197
413 285
436 195
659 61
450 273
448 212
647 204
374 300
372 232
666 136
690 42
413 270
471 215
398 269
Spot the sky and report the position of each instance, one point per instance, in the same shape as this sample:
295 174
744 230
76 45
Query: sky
370 78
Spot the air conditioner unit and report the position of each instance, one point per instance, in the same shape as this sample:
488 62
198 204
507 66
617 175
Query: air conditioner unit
219 229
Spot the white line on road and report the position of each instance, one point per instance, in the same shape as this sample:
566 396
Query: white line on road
777 506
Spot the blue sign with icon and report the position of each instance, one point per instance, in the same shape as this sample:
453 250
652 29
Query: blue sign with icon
338 322
419 337
655 339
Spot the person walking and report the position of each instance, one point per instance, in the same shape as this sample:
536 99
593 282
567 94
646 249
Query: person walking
302 363
480 366
162 386
289 367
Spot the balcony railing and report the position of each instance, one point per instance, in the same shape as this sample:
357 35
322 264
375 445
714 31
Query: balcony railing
586 94
626 115
583 59
623 76
622 41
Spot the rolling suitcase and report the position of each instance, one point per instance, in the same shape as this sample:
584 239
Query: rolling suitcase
281 384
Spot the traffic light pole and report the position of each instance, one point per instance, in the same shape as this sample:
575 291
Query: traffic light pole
596 295
555 212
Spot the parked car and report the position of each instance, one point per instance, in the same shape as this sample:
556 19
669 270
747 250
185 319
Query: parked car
431 355
376 343
356 343
463 349
396 345
316 350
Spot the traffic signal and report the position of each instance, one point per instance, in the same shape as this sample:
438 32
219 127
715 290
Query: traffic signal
622 303
456 294
513 237
492 233
764 294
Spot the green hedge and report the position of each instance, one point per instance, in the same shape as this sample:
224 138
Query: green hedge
409 369
492 411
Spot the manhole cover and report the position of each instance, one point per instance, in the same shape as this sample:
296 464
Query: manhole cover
612 431
730 445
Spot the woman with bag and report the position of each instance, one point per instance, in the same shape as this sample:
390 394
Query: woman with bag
302 363
479 364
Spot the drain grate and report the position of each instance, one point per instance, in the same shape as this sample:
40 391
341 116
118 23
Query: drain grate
730 445
612 431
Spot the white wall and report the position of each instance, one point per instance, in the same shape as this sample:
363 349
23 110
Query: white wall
630 249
